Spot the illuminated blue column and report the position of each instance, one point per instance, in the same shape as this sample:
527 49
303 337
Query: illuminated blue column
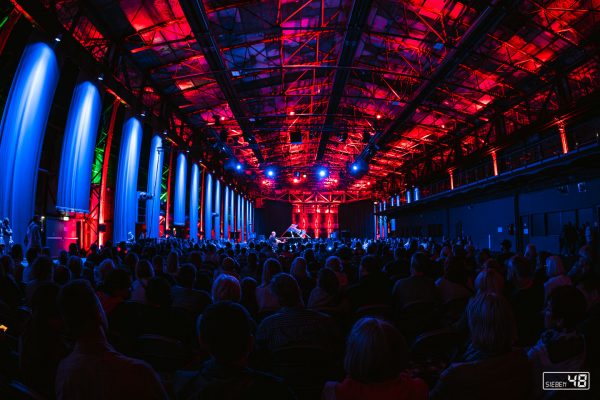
217 210
239 216
226 211
127 172
248 223
381 235
75 173
180 189
22 133
155 166
417 194
231 210
397 200
194 186
375 220
208 207
385 220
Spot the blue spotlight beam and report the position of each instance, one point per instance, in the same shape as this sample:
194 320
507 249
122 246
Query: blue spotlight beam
79 142
22 133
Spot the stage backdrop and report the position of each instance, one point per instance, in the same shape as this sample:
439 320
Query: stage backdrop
356 219
274 216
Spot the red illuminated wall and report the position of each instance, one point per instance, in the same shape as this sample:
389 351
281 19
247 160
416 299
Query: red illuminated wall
319 220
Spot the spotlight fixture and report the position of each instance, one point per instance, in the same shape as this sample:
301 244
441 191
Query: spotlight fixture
354 167
292 113
297 174
238 166
58 38
101 77
296 180
378 116
322 173
143 114
270 173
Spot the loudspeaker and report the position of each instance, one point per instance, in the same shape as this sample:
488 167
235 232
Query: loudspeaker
296 137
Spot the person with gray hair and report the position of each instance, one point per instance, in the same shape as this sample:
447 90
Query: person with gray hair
226 288
491 369
376 356
293 324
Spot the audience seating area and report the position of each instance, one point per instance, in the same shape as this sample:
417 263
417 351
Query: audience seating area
391 319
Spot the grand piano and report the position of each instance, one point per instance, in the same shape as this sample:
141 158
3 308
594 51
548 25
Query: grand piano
293 235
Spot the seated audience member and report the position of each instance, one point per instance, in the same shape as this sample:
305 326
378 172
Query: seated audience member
143 272
16 253
327 292
417 288
555 271
42 271
75 266
229 266
31 255
489 281
560 347
293 324
455 282
101 271
226 288
583 266
334 263
526 299
491 369
10 291
41 345
300 272
248 299
225 330
94 370
267 302
376 356
115 290
184 294
373 287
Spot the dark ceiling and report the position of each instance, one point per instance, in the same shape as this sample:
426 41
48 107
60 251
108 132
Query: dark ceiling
399 86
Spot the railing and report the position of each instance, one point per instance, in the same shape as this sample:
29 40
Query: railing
545 150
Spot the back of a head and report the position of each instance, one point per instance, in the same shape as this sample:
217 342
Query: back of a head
61 275
75 265
419 262
7 266
369 265
80 307
520 267
158 292
229 264
42 268
271 267
375 351
44 299
334 263
491 323
298 268
488 280
186 275
226 288
131 260
31 254
328 281
455 270
225 330
172 262
144 270
567 304
286 289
